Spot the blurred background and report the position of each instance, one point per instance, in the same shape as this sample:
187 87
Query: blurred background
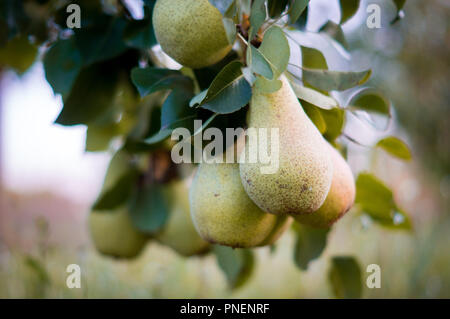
48 184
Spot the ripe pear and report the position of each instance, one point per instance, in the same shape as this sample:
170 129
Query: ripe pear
283 223
221 210
340 198
303 179
113 233
190 31
179 233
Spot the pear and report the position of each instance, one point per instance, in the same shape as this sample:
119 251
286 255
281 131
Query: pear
340 198
221 210
190 31
282 224
113 233
303 179
179 233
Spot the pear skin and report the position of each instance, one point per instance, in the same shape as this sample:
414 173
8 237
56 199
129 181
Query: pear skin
283 223
179 233
221 210
114 235
340 198
303 179
190 31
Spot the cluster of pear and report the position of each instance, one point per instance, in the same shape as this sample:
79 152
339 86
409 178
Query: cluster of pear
114 234
234 204
239 206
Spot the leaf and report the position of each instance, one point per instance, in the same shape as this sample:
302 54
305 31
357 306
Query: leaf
18 54
345 277
296 8
149 80
222 5
197 99
377 200
275 49
91 96
267 86
314 97
276 7
176 107
102 40
313 58
229 91
119 193
315 116
395 147
334 80
98 138
257 17
301 22
348 9
149 208
370 100
258 63
334 31
139 33
230 29
309 245
62 64
237 264
334 119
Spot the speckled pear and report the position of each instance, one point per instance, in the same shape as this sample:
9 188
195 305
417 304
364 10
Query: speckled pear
190 31
113 234
221 210
179 233
340 197
303 179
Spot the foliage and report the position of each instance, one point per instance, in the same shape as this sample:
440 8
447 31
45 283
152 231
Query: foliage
112 81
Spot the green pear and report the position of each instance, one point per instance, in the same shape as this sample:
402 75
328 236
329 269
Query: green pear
113 233
179 233
190 31
340 198
221 210
282 224
303 178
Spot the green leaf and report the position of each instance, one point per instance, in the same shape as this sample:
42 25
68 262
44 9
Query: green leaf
301 22
267 86
98 137
345 277
119 193
313 58
258 63
229 91
18 54
237 264
230 29
377 200
348 9
296 8
334 31
334 119
257 17
395 147
91 96
149 80
222 5
139 34
315 116
176 107
276 7
149 208
370 100
275 49
314 97
309 245
62 64
102 40
334 80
